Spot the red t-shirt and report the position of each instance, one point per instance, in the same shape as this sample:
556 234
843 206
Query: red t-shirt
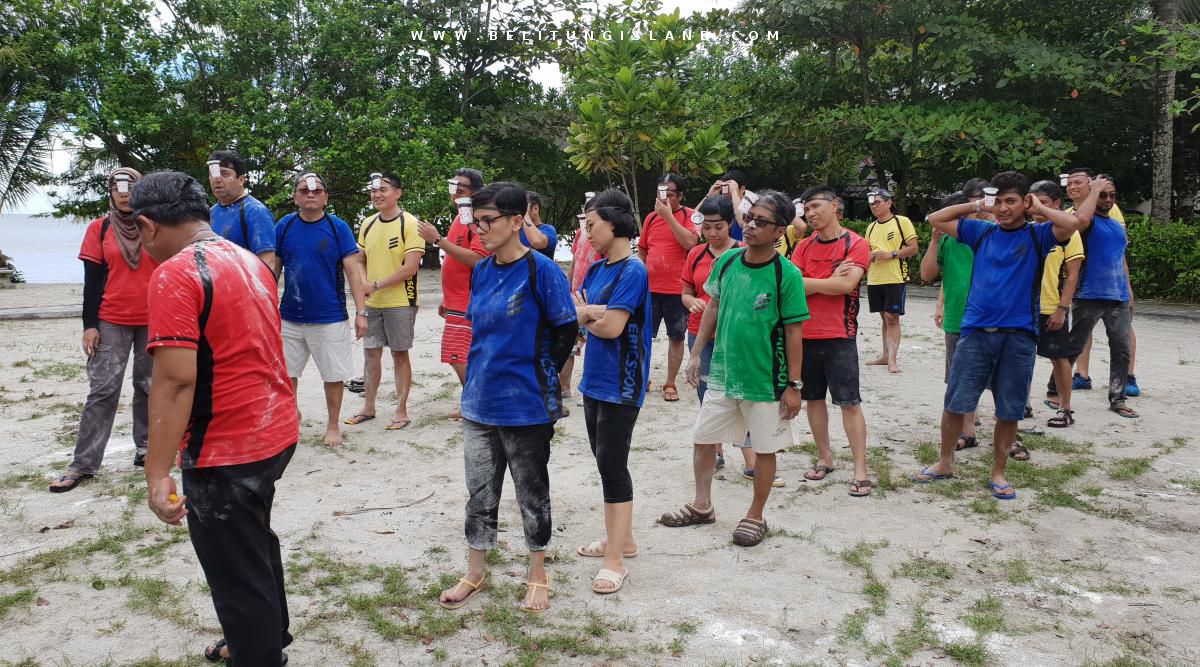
585 255
664 255
124 299
696 268
833 315
456 276
244 409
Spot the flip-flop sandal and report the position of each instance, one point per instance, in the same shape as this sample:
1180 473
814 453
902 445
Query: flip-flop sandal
397 425
817 473
930 476
965 442
534 584
475 588
358 419
861 488
75 478
674 391
749 532
1019 453
595 550
997 488
1064 419
688 516
611 577
1124 411
1053 405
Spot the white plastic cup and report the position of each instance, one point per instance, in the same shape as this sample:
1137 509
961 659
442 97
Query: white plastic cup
989 196
725 188
799 203
465 213
1062 179
589 195
748 200
311 182
214 168
452 186
662 193
123 186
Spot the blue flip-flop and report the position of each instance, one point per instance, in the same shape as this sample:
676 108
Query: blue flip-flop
997 488
933 476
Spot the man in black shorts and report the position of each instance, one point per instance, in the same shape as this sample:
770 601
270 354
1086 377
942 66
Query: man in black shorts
892 239
832 260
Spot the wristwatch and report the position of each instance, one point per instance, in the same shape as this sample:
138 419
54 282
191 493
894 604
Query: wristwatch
362 314
895 253
795 384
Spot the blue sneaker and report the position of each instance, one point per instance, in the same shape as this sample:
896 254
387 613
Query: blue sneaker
1079 382
1131 387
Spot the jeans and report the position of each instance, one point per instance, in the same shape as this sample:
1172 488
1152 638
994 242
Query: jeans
1002 360
1118 326
525 452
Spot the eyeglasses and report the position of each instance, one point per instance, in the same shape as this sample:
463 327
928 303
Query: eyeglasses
485 224
1108 195
314 193
752 221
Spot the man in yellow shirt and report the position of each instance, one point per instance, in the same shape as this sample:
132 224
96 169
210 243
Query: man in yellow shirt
893 240
1059 279
390 254
1078 180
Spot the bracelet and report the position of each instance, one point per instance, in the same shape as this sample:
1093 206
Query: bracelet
978 205
375 284
1062 307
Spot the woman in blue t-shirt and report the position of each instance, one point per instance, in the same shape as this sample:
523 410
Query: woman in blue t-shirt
614 305
523 324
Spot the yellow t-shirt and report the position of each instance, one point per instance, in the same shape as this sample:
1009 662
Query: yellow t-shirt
787 242
386 245
1053 273
1115 213
889 236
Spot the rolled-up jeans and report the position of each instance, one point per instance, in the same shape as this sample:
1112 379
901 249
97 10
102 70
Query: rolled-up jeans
525 452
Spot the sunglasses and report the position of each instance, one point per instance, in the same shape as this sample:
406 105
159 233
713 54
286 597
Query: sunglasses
752 221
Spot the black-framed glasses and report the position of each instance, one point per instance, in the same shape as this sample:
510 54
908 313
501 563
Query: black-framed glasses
754 221
485 224
1108 195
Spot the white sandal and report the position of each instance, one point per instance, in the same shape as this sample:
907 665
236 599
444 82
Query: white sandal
596 550
611 577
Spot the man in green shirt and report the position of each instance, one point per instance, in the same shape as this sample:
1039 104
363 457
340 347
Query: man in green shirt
953 260
756 296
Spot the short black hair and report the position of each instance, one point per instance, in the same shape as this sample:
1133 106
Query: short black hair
392 178
1109 178
231 160
974 187
504 196
735 175
615 207
819 190
672 178
474 176
169 198
1049 188
535 198
779 204
1091 173
718 205
1011 181
954 199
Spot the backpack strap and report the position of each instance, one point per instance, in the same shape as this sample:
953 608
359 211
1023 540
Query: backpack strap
1035 296
104 232
724 269
242 218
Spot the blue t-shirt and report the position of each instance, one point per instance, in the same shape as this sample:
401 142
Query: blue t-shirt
1102 274
314 286
259 224
511 379
551 239
617 370
1005 287
735 231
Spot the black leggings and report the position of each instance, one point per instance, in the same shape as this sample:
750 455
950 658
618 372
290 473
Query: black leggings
610 430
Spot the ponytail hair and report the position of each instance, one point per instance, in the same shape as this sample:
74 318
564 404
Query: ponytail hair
614 207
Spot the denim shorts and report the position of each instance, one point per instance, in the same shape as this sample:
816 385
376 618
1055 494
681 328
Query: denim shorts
1002 358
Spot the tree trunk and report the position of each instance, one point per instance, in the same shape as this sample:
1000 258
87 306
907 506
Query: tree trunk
1167 13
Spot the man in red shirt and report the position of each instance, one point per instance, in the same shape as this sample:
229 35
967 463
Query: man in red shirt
832 260
463 249
667 235
220 400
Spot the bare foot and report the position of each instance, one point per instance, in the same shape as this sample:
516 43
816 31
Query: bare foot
456 415
333 436
878 361
892 368
461 591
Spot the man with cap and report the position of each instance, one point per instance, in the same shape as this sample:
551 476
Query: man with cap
893 239
316 254
237 215
390 252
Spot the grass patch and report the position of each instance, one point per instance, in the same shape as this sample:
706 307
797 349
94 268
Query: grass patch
18 599
58 370
112 539
879 461
1017 572
859 556
1053 443
1130 468
925 569
989 508
986 616
974 655
853 626
927 453
911 639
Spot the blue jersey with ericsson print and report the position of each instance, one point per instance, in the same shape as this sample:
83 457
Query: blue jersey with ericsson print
617 370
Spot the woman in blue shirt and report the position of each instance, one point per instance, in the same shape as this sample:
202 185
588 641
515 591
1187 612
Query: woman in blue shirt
523 326
614 305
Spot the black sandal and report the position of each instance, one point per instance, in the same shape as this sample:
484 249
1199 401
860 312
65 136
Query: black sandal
862 488
965 442
213 653
73 477
1064 419
1018 453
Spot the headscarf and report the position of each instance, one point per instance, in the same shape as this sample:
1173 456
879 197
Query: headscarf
128 236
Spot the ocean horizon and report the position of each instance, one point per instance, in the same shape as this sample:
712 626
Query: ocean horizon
44 249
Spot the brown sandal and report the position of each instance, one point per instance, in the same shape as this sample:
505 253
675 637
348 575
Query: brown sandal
688 516
1018 453
749 532
670 392
861 488
818 473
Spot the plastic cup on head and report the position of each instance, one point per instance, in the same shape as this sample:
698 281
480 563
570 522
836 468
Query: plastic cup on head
214 168
122 186
1062 179
989 196
311 182
799 204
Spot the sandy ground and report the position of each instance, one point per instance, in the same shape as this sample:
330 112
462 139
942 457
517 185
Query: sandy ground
1096 562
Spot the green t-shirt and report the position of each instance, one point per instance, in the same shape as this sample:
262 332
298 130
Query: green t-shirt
749 360
956 260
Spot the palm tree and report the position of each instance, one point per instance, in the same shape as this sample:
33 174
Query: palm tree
25 124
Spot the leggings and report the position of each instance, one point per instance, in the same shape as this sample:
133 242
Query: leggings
610 431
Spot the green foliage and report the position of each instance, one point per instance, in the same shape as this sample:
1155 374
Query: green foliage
1164 260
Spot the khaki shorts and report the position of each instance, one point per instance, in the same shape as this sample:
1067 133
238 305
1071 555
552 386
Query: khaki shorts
391 328
330 345
729 419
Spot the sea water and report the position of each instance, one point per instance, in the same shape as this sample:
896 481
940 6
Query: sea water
43 249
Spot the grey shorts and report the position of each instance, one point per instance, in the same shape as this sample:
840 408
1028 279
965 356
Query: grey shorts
391 328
